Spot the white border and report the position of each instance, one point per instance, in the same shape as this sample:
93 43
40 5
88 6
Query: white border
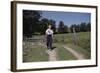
21 65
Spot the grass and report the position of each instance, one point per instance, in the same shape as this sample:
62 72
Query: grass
34 54
83 42
83 39
63 38
37 53
80 50
63 53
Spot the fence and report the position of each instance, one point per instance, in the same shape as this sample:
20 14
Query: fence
57 38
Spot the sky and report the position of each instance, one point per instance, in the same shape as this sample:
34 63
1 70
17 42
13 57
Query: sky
68 18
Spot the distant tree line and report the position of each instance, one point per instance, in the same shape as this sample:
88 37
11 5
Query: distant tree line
83 27
34 23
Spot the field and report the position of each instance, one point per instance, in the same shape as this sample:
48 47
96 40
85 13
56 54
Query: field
34 49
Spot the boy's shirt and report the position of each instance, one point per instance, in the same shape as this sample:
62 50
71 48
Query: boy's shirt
49 32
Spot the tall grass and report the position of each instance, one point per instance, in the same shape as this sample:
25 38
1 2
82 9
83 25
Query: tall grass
34 53
83 40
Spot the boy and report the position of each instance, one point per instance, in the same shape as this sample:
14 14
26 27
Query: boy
49 37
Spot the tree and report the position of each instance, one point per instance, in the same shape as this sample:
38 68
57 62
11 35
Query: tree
43 25
30 22
66 29
77 28
83 27
73 26
52 23
89 27
61 27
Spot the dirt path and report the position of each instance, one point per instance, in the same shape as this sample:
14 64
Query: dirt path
53 55
75 53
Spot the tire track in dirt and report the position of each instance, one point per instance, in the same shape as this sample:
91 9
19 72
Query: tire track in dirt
79 56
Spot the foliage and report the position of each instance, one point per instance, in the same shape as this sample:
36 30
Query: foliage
62 28
31 22
83 27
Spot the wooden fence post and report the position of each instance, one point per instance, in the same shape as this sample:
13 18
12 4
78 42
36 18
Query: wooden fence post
75 38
